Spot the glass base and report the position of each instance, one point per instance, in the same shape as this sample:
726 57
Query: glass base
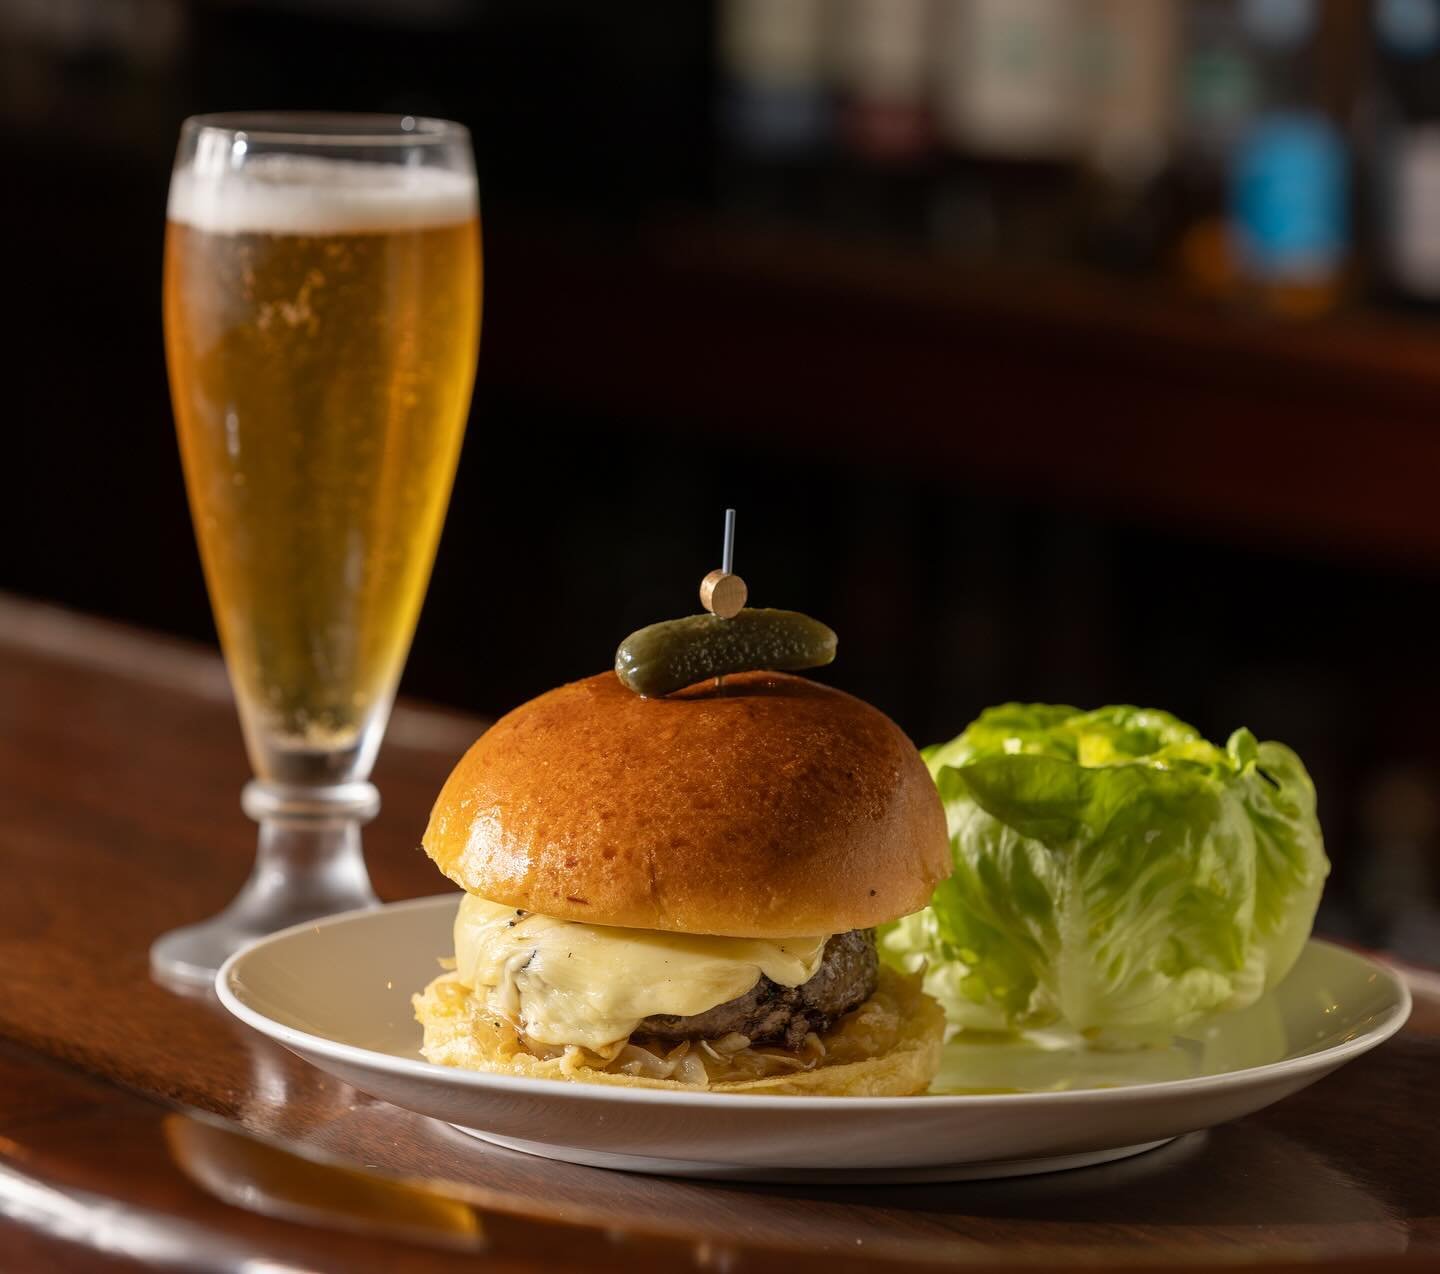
308 864
188 958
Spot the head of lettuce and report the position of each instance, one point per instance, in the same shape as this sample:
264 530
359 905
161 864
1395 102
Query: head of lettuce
1115 873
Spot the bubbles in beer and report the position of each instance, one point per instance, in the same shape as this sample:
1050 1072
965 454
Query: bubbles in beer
321 321
304 195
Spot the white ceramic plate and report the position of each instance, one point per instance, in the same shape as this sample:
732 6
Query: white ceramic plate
337 992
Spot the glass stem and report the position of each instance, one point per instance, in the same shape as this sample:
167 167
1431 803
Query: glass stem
309 862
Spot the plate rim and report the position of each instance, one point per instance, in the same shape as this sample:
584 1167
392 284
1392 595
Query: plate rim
295 1039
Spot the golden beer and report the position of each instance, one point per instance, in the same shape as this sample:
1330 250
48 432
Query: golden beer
321 326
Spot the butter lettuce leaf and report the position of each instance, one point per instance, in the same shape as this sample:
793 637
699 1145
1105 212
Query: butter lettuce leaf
1114 872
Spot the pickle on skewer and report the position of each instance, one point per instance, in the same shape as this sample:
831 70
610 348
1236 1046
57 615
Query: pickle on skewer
680 652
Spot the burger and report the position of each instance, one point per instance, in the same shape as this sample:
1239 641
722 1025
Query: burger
682 892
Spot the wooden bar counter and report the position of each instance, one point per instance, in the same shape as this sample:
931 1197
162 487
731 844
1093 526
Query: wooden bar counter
143 1129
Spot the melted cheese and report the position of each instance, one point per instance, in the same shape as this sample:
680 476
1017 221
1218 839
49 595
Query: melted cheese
561 982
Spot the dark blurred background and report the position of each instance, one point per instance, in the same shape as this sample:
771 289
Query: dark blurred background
1079 350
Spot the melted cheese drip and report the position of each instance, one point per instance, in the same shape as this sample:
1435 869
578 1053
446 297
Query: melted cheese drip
561 982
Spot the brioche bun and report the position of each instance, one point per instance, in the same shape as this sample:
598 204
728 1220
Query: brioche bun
774 807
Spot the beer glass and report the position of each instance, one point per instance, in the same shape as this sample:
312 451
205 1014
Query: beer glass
322 314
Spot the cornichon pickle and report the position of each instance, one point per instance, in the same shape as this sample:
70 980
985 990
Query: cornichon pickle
680 652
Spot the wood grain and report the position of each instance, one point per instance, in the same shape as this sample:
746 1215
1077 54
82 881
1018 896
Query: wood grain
119 782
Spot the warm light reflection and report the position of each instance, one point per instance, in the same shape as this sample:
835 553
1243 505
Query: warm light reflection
263 1178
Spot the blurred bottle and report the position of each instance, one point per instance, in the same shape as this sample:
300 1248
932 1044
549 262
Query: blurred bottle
882 52
1218 97
1407 153
1290 175
1007 111
1126 55
883 60
775 107
1008 85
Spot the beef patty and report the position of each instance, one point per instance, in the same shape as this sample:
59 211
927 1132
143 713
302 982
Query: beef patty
772 1014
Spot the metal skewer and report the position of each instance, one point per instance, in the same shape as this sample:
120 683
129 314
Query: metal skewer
722 592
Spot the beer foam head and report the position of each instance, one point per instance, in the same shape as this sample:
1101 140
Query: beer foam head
296 194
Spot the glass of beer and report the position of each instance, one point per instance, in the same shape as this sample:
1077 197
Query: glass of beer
322 315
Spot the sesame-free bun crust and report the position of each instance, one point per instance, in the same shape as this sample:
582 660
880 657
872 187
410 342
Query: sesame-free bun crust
775 807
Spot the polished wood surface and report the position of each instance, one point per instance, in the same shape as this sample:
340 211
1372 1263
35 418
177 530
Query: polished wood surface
120 766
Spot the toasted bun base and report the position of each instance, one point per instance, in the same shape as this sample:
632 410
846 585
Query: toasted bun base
896 1033
777 807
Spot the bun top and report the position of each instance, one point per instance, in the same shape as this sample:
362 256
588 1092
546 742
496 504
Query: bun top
776 807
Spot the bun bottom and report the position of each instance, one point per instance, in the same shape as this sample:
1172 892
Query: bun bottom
888 1047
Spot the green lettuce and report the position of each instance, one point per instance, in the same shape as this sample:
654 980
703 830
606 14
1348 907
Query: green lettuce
1114 872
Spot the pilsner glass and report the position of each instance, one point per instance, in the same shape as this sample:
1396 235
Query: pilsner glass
322 315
